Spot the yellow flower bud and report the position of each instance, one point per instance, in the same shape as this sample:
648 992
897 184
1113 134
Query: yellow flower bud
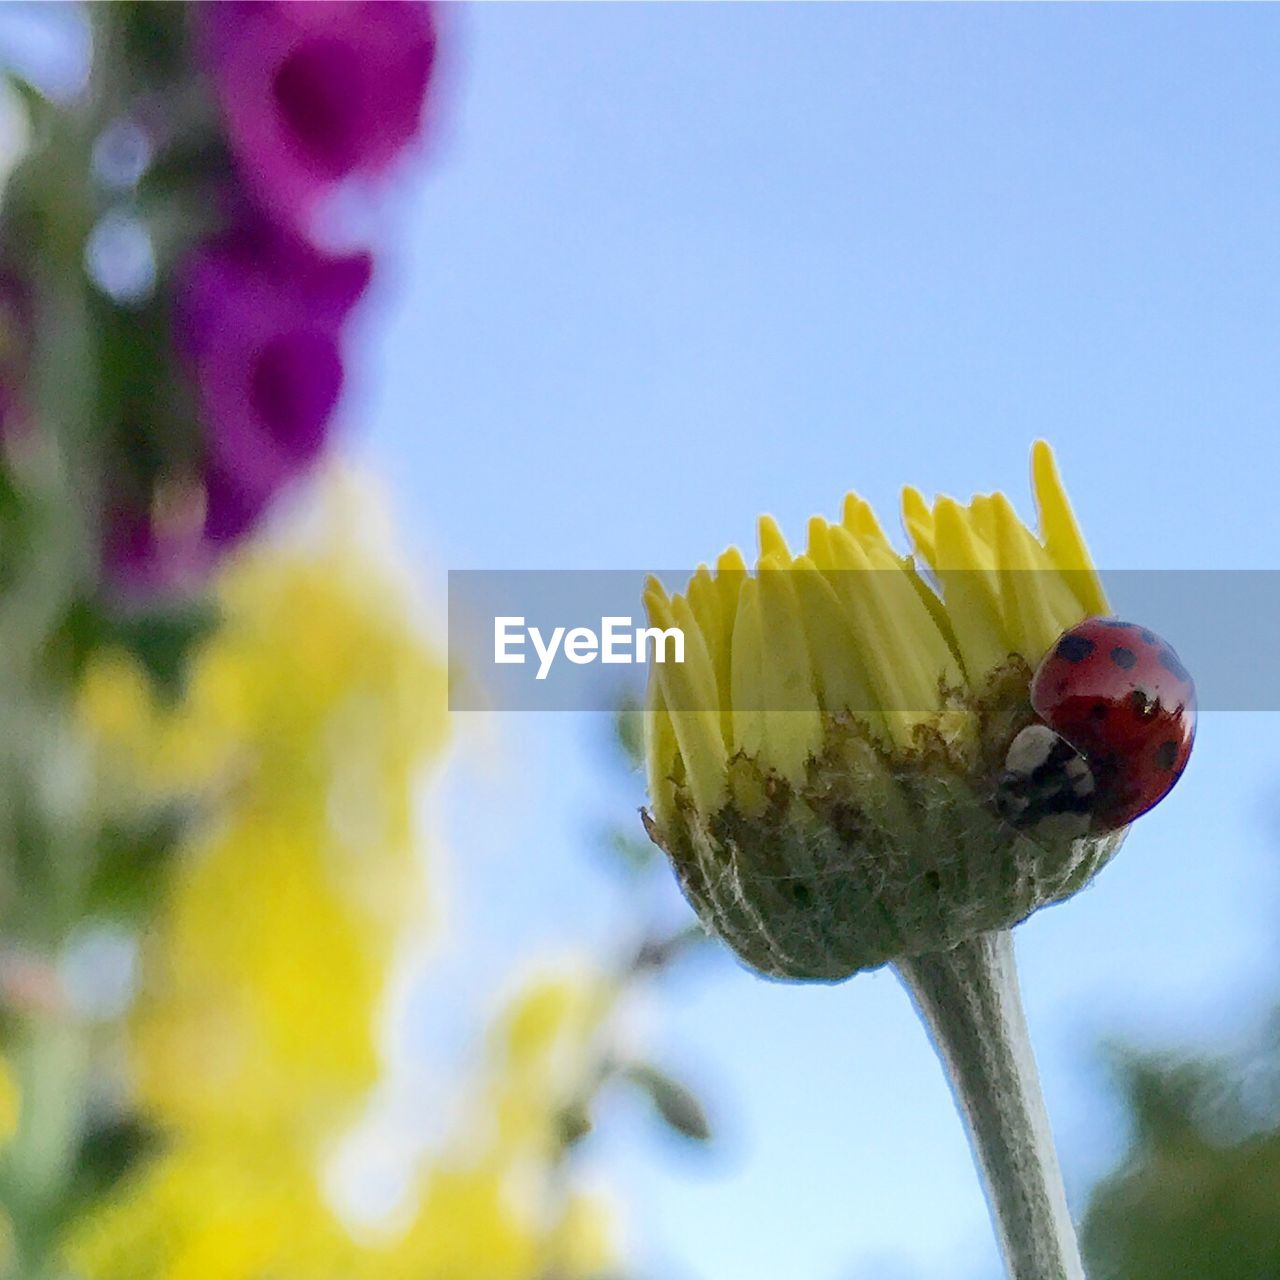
823 766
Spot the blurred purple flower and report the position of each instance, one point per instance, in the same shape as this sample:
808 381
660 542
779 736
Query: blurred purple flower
147 549
258 314
315 91
258 319
173 545
311 93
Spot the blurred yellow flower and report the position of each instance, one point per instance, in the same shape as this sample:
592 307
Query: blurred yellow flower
498 1204
308 719
583 1242
10 1101
261 981
216 1211
467 1225
544 1046
260 991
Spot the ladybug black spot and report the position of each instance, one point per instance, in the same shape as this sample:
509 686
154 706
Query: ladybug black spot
1098 711
1074 648
1144 705
1169 661
1122 657
1149 637
1166 753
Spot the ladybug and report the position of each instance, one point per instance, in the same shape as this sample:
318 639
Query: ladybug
1117 717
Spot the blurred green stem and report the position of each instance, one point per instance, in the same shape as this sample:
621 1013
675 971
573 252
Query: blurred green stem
47 826
969 1000
50 1062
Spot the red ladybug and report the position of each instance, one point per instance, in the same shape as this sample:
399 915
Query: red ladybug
1117 695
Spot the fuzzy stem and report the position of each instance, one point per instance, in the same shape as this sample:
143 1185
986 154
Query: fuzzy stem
969 1000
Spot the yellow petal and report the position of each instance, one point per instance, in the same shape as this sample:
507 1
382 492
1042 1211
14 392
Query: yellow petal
1038 604
731 570
919 523
905 656
730 562
920 605
839 674
689 691
860 520
819 532
772 543
961 543
704 600
933 603
983 521
660 752
708 605
749 730
1060 532
793 723
972 593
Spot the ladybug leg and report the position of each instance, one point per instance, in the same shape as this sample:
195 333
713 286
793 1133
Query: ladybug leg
1043 775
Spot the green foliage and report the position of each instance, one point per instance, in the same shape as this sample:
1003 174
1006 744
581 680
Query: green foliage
674 1102
628 725
163 638
630 851
109 1150
1199 1192
130 872
152 35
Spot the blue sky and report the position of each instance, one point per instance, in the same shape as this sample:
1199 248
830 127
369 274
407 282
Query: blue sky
670 266
675 265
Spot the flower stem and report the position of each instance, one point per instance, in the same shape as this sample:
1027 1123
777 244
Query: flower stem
969 1000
